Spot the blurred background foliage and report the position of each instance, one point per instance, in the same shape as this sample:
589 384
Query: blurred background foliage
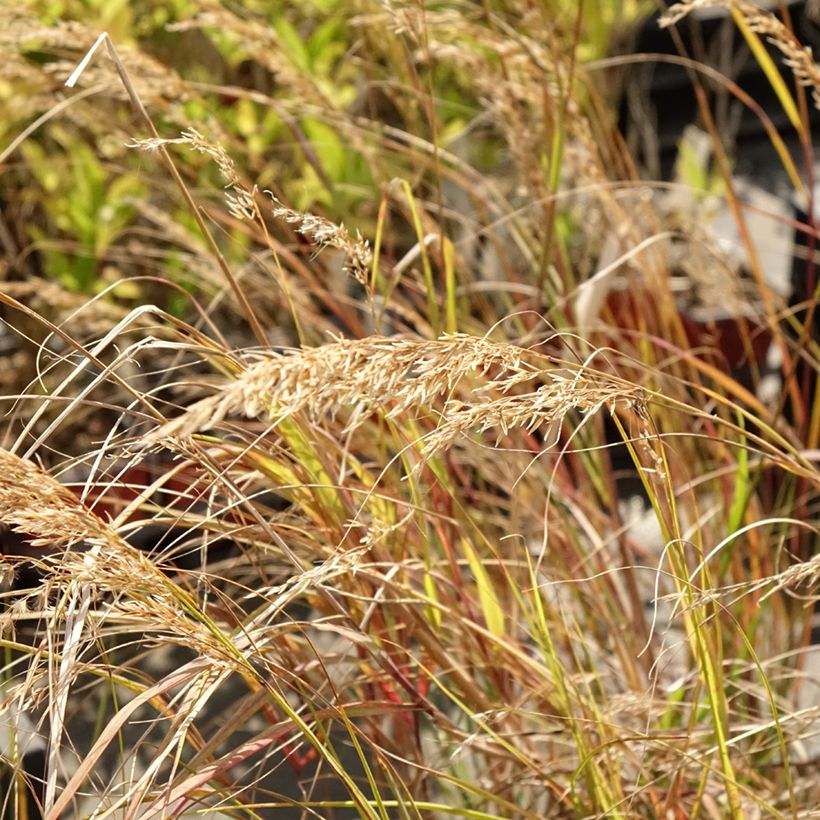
309 99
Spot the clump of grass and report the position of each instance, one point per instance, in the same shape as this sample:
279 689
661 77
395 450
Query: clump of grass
390 479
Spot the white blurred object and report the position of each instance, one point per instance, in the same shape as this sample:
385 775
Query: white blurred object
18 734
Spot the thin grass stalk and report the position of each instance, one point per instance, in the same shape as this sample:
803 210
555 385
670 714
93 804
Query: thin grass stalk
253 322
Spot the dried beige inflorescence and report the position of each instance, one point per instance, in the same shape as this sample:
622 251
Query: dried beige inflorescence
154 83
803 577
242 205
198 143
511 71
137 594
33 502
401 375
404 373
545 407
20 28
19 68
325 233
797 57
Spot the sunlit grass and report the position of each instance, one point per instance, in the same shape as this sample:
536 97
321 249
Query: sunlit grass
455 514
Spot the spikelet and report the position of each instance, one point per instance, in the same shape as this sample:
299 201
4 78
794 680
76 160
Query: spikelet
325 233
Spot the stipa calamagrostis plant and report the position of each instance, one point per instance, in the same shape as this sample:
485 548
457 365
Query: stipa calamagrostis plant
404 377
450 617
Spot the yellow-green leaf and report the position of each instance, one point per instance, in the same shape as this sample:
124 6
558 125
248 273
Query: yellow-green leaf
493 613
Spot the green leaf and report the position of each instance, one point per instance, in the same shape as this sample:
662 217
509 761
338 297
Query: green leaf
493 613
328 148
292 42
